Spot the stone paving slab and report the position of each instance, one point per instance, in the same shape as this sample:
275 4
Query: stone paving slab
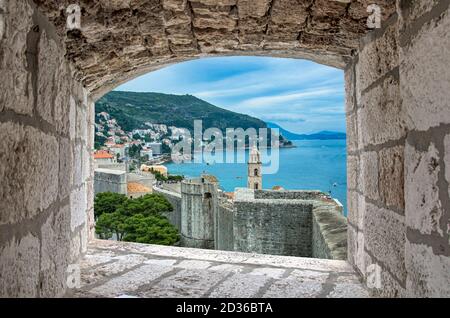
118 269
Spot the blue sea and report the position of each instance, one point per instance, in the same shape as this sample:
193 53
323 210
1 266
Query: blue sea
311 165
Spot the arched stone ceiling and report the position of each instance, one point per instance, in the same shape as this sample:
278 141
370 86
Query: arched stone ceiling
121 39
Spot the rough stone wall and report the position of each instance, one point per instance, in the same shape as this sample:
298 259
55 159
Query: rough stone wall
223 227
398 123
329 232
174 199
106 180
272 226
198 207
46 167
124 39
289 194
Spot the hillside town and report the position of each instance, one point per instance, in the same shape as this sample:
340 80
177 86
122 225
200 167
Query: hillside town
151 145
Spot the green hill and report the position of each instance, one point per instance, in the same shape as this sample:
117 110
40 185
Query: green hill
132 110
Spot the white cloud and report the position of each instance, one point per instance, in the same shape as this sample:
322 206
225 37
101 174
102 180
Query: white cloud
290 97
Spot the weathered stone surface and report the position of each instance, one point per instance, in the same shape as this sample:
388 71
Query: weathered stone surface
240 285
65 166
384 235
352 172
369 174
30 158
78 205
356 250
350 102
138 34
421 73
55 260
447 161
382 115
391 183
428 274
423 205
352 132
16 89
356 209
372 64
17 277
380 282
413 10
183 272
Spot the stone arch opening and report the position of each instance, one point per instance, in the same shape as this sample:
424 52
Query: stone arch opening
397 118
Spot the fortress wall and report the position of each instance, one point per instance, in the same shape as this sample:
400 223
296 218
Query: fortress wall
289 194
223 223
329 232
198 207
278 227
106 180
398 124
46 133
112 166
174 199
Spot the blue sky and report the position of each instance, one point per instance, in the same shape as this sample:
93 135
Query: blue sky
299 95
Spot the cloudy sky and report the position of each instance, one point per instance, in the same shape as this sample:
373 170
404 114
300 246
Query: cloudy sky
299 95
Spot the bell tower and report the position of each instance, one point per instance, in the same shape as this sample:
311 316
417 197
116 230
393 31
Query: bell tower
254 174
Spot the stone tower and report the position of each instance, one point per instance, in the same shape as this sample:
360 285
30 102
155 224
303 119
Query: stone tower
254 175
198 208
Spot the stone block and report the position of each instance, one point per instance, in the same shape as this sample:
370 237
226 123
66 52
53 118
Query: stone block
65 167
352 172
356 209
378 58
447 160
47 77
55 236
78 207
16 88
19 263
425 83
369 174
77 164
423 205
352 132
29 171
72 117
175 5
380 282
428 274
384 233
391 183
350 102
382 117
250 8
81 124
413 10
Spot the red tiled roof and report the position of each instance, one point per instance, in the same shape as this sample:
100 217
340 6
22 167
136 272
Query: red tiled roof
103 154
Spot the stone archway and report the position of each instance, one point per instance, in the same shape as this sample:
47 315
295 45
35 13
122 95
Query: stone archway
397 117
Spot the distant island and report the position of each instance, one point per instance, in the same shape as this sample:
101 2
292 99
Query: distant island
322 135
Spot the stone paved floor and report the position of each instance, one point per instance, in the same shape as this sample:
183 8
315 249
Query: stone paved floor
116 269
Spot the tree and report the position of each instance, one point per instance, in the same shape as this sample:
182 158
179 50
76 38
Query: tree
150 204
135 151
134 220
99 141
107 202
111 223
150 229
166 148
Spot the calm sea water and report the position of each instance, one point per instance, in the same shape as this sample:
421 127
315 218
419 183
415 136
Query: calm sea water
312 165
